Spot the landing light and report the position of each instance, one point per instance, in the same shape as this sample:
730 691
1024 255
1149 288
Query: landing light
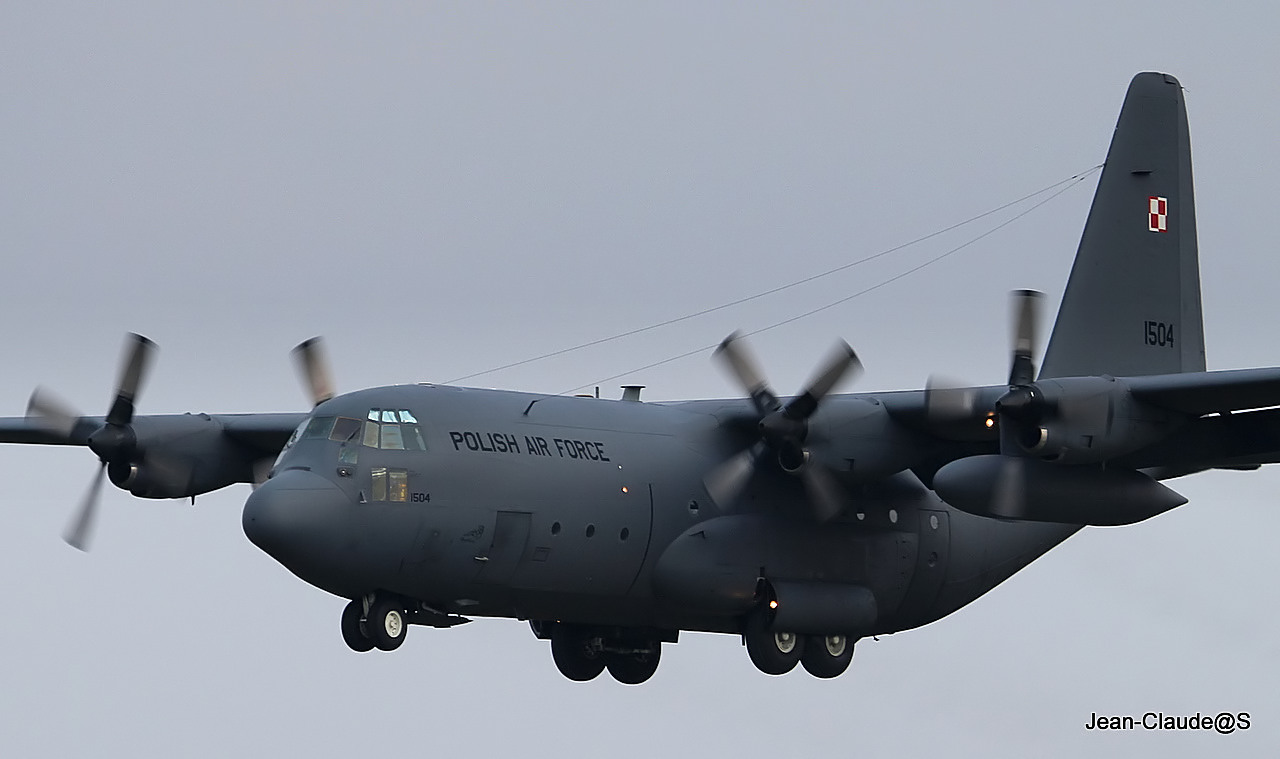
624 488
990 422
773 604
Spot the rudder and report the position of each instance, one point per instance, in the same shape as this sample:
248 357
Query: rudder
1132 303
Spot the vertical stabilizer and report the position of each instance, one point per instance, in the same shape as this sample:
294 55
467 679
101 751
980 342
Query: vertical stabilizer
1132 305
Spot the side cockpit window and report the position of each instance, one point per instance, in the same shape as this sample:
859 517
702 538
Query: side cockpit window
393 430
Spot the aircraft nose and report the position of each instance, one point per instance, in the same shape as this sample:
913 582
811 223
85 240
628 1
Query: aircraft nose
291 517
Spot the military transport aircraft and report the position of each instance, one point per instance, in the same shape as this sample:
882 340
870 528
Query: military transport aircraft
801 524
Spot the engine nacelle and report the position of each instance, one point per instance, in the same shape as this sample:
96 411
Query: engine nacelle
185 457
1022 488
1087 420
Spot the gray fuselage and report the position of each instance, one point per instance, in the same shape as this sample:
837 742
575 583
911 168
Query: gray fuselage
590 511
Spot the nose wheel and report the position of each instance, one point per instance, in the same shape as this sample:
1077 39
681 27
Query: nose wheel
353 627
383 626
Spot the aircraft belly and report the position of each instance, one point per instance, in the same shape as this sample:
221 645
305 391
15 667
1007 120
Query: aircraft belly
714 566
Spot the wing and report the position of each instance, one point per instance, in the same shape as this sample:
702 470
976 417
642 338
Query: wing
172 456
1206 420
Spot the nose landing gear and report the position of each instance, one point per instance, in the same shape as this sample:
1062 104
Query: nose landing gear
382 625
353 627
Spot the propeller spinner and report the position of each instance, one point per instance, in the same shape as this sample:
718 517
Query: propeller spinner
783 429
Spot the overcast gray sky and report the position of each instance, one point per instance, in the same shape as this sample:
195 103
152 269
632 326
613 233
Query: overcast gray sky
444 188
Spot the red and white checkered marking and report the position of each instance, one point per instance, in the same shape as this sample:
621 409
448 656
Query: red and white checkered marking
1158 214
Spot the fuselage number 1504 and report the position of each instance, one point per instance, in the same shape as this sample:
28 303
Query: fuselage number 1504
1158 333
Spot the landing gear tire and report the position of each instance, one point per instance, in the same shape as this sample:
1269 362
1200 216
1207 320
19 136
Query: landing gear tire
385 625
773 652
827 656
351 632
574 654
633 669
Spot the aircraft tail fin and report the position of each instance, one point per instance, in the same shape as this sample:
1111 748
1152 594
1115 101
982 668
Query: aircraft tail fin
1132 304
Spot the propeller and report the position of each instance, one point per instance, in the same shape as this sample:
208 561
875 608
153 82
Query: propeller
313 365
782 428
1021 410
113 442
1018 412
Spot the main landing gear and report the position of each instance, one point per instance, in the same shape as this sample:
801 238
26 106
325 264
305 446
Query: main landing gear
581 653
777 652
378 624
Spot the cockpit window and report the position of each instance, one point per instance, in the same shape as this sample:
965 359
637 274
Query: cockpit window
297 433
345 429
392 440
393 430
319 427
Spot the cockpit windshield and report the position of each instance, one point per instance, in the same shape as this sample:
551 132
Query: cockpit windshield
393 430
385 429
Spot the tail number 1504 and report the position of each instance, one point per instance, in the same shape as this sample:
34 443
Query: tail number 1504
1158 333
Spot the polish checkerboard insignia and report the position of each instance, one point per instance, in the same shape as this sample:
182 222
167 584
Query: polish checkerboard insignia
1157 214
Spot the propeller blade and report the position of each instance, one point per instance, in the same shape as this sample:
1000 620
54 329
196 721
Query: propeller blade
51 412
737 358
138 351
1026 318
946 400
314 368
78 531
727 481
825 494
1009 495
842 363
